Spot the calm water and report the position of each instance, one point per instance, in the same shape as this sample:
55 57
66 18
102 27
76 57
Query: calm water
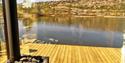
1 33
90 31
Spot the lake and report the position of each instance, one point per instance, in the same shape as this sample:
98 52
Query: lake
83 31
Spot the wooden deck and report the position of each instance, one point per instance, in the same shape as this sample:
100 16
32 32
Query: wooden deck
75 54
3 59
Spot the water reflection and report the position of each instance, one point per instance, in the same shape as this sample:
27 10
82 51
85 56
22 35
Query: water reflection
2 44
1 32
92 31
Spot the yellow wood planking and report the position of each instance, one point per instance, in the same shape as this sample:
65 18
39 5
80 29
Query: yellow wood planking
3 59
76 54
73 54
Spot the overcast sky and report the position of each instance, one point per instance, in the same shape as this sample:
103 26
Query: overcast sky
20 1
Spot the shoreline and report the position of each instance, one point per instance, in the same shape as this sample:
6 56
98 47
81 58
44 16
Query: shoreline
108 16
95 16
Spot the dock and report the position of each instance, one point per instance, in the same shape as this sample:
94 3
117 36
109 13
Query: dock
71 53
74 54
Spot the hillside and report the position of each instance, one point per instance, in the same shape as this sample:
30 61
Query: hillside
79 8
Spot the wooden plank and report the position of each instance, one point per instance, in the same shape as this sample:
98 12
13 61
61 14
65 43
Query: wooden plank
77 54
74 54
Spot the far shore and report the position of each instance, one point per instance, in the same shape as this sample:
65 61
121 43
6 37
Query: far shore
34 15
66 15
104 16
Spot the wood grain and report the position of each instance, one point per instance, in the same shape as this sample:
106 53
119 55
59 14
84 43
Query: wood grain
75 54
72 54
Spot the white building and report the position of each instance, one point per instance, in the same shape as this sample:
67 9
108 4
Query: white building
27 4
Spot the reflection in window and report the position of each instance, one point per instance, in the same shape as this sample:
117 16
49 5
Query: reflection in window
71 22
2 40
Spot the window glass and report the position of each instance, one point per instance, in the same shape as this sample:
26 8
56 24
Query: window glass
73 31
3 55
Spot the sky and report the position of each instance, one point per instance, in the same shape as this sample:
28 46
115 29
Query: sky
20 1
